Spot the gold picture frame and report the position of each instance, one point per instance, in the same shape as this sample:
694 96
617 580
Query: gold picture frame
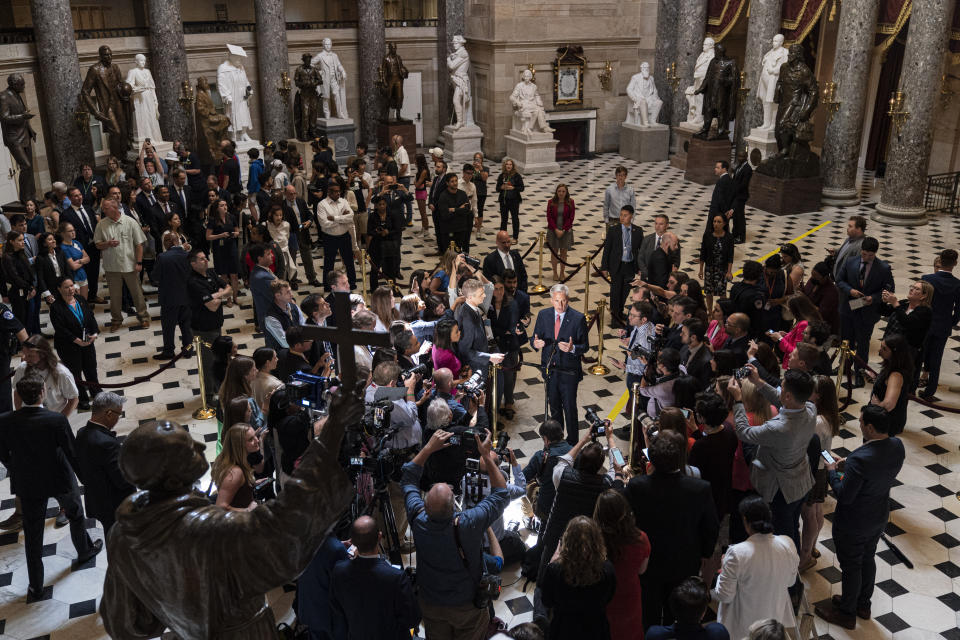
568 70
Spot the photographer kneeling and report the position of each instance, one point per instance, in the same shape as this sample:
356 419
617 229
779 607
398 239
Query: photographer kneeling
453 591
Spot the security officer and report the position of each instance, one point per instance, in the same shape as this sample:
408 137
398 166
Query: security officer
10 328
749 297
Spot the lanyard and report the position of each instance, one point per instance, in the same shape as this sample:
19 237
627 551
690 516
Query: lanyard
77 311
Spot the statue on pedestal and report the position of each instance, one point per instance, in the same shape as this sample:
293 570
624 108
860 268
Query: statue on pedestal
18 135
528 106
110 101
212 127
458 63
235 91
694 100
333 89
146 113
306 104
392 75
644 107
769 73
719 91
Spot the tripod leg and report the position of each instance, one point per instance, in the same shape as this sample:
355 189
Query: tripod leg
390 524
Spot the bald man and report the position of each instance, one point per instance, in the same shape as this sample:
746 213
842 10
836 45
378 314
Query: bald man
443 388
503 258
660 264
302 220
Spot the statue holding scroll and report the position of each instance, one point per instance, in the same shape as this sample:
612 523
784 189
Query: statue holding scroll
528 106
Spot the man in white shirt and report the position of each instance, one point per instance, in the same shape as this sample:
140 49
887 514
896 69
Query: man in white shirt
402 158
336 219
616 197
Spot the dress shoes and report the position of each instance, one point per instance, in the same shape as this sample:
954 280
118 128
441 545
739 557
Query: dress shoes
863 614
833 615
95 548
315 283
858 381
34 595
62 520
13 523
164 355
83 405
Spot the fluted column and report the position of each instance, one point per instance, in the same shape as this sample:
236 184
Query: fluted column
665 55
691 26
169 65
908 157
372 36
272 61
450 22
60 82
763 25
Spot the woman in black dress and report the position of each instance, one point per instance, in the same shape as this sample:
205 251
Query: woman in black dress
17 281
222 233
892 386
509 186
50 266
911 318
716 259
774 284
75 331
384 234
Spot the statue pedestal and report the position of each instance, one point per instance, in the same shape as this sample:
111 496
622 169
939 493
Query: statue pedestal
342 134
644 143
406 128
682 135
785 196
532 152
306 154
242 148
702 157
459 145
761 144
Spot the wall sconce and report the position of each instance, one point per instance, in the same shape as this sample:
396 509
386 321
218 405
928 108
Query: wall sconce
672 77
743 89
81 116
606 76
896 111
186 97
284 88
946 94
830 99
532 70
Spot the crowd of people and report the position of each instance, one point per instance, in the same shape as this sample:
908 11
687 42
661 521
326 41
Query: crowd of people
731 388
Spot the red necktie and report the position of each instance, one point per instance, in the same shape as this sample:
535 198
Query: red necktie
556 327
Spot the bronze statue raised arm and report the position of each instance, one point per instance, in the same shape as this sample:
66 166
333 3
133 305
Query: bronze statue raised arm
107 96
392 73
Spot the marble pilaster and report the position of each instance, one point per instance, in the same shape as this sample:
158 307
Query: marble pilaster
169 64
372 36
60 82
691 26
450 22
272 61
763 25
664 55
908 157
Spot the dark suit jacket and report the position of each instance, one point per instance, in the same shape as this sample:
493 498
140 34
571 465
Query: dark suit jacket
658 268
306 213
36 445
177 204
260 279
738 345
46 275
84 238
741 186
354 584
574 326
66 327
172 273
473 348
150 214
679 518
699 366
879 279
723 192
98 453
647 249
493 266
503 326
863 494
612 258
946 302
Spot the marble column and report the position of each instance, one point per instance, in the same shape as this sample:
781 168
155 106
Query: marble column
665 55
272 62
168 62
60 82
908 156
764 23
691 27
450 22
372 36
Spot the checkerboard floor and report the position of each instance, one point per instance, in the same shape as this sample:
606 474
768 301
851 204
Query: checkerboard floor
922 602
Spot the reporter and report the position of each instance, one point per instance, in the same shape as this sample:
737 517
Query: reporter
75 331
231 472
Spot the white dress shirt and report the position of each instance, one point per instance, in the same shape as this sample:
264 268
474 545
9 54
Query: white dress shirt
342 217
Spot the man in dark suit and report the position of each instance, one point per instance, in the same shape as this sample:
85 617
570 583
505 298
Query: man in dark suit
723 193
741 193
660 265
946 313
151 213
181 198
560 334
863 505
295 208
862 280
619 262
473 347
84 222
260 279
370 578
36 445
172 273
98 453
436 188
678 515
651 242
698 356
737 327
503 258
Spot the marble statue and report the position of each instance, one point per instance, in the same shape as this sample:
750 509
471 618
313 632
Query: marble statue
18 135
458 63
333 90
719 89
212 127
797 95
306 104
392 75
769 73
146 113
235 91
178 561
528 106
695 100
644 107
107 98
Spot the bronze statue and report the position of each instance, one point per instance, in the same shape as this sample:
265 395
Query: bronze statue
18 135
719 89
178 561
392 75
212 127
797 95
110 101
306 104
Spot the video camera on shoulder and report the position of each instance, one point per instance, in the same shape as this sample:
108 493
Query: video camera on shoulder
598 426
310 391
474 385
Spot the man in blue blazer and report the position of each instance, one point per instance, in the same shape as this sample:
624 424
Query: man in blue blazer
560 334
861 282
863 504
368 578
260 279
946 313
171 272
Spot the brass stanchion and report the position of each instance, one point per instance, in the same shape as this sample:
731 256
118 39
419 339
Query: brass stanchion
494 401
204 412
844 355
539 288
363 274
453 245
586 293
633 420
600 369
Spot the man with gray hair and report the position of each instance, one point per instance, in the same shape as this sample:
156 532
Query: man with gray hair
98 453
120 240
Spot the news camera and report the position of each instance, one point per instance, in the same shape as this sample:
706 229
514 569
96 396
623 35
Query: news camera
598 427
310 391
474 385
473 263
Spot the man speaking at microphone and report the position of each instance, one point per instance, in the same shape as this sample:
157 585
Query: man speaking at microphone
560 335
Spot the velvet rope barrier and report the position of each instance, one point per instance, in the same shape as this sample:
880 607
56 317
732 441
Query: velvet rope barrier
138 379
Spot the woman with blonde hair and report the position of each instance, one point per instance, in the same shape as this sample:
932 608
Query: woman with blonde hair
440 279
579 583
509 186
911 318
231 471
384 307
560 212
115 174
238 382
